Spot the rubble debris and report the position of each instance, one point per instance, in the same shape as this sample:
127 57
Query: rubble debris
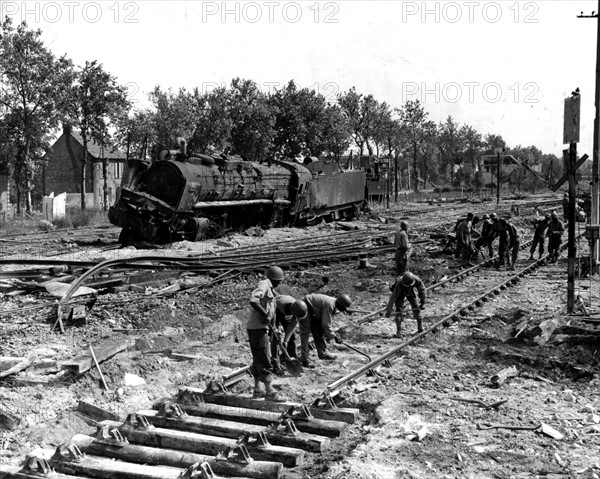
58 289
501 377
254 231
97 413
133 380
83 363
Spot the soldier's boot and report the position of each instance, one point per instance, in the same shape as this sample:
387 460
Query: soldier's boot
272 395
258 392
398 322
419 321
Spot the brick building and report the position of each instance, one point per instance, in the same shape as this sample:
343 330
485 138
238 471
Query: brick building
63 171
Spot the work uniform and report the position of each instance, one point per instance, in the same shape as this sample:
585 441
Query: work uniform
258 331
514 244
554 233
538 237
485 239
288 322
321 309
402 246
400 292
565 205
458 248
464 233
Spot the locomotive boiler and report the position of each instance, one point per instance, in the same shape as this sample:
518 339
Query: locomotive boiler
192 197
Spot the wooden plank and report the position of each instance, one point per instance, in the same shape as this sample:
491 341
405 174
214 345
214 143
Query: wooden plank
83 363
347 415
7 362
100 467
97 413
262 418
8 420
174 458
219 427
15 472
203 444
18 367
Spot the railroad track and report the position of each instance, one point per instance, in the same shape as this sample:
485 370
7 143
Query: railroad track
212 433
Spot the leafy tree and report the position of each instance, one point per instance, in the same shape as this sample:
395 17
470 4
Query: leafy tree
213 122
472 144
135 133
96 101
175 116
336 132
33 82
451 146
253 121
420 133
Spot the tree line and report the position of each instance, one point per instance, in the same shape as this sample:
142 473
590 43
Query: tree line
40 92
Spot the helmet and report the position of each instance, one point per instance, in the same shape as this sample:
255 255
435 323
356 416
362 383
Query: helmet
275 273
403 225
554 214
299 309
494 216
486 216
407 279
343 302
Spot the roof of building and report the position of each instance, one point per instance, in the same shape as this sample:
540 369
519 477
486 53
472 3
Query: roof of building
97 151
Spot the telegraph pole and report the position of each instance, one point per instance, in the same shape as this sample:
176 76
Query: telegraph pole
595 216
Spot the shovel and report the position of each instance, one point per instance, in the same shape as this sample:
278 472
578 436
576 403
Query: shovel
356 350
294 366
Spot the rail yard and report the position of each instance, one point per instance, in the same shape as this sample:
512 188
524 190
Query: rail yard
500 383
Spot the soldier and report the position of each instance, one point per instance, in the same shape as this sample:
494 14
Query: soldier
555 230
538 236
404 288
514 244
262 314
321 309
484 239
463 234
287 313
402 248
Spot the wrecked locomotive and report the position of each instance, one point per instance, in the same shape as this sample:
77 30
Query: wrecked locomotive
192 197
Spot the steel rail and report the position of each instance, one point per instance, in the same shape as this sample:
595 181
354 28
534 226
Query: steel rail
335 386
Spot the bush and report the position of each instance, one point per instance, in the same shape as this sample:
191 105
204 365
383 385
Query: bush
77 218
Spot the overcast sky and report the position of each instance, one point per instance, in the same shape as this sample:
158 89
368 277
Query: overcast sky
503 67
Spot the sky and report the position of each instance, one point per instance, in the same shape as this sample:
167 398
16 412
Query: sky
502 67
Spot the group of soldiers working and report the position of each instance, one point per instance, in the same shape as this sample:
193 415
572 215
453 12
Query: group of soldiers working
509 241
313 314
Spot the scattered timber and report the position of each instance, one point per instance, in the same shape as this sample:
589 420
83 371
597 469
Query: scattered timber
85 362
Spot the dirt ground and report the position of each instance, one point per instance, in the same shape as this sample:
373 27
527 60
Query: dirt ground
412 423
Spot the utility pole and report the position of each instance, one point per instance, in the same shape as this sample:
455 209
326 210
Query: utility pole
595 216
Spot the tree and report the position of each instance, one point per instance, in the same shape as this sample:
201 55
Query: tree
135 132
253 121
33 85
451 146
336 132
96 101
213 122
472 144
420 132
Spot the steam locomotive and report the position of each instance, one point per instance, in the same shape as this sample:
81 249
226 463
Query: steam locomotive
183 197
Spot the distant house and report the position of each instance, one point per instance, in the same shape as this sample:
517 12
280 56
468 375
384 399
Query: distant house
5 208
63 171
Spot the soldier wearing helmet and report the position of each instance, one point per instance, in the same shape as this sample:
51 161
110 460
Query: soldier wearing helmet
484 236
288 311
262 316
318 322
405 288
539 238
556 228
402 248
